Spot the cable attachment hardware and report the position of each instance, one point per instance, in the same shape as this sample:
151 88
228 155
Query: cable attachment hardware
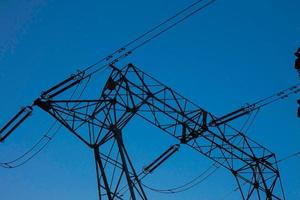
68 83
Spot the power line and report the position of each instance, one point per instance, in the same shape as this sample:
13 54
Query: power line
43 142
289 157
283 94
296 154
190 184
174 24
215 166
249 122
252 120
142 40
186 12
33 151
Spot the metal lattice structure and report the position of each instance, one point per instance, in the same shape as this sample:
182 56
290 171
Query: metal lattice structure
128 93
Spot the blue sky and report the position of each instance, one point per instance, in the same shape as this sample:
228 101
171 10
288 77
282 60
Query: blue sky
232 53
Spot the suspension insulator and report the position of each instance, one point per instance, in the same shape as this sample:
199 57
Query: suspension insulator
15 122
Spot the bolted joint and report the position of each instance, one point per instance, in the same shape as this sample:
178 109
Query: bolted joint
113 101
110 84
204 128
45 105
234 172
269 194
130 65
256 185
132 110
183 140
94 146
254 158
113 128
193 135
150 94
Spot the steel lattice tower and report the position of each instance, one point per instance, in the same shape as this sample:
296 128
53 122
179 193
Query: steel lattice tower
129 92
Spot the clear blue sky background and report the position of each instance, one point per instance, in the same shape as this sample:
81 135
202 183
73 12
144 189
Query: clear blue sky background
232 53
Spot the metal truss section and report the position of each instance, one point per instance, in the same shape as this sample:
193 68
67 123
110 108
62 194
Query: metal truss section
116 176
130 92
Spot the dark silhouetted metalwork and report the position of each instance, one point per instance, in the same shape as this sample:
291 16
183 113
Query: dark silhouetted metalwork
297 67
130 92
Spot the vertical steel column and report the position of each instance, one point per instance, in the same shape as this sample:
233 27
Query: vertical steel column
102 171
119 139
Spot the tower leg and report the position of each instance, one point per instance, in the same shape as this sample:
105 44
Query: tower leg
116 176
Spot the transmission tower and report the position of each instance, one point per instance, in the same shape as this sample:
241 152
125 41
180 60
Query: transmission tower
129 92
